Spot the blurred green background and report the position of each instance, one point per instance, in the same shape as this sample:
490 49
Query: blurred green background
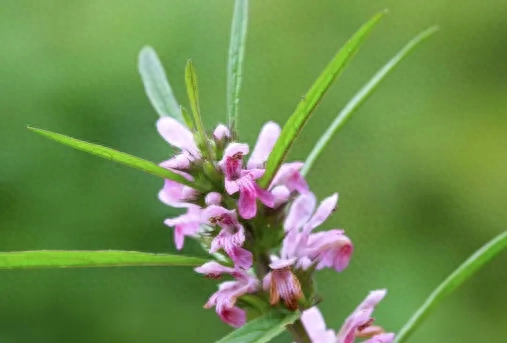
421 168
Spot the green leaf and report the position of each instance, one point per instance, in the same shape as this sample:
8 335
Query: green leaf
116 156
193 97
236 56
305 108
361 96
87 259
453 281
156 85
262 329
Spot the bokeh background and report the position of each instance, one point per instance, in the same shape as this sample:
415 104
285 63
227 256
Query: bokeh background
421 168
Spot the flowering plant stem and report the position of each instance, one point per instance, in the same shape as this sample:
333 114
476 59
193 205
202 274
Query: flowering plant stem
298 332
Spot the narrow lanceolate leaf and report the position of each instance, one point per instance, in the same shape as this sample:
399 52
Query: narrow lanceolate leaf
303 111
193 97
156 85
236 56
262 329
361 96
114 155
87 259
453 281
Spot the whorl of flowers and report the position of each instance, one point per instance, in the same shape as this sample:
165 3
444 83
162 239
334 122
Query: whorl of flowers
266 237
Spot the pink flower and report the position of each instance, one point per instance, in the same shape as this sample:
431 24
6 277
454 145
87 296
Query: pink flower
173 193
289 176
228 292
188 224
357 325
265 142
221 132
231 237
283 284
332 249
213 198
328 248
178 136
249 192
238 179
316 326
232 162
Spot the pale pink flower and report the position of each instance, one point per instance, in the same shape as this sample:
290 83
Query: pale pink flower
178 136
221 132
228 292
283 284
316 326
265 142
188 224
232 161
328 248
249 192
213 198
357 325
332 249
288 175
231 237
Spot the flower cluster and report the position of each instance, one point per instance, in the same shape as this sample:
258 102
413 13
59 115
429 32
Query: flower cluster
265 236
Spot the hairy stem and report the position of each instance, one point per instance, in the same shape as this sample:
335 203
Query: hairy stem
298 332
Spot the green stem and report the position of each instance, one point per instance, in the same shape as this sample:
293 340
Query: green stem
298 332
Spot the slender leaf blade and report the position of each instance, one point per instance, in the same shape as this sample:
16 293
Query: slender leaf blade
361 96
305 108
89 259
157 86
453 281
236 57
193 97
114 155
262 329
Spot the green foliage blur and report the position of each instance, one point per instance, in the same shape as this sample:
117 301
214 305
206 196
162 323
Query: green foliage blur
421 168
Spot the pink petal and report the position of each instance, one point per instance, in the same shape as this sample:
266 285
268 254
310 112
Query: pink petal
232 162
177 135
265 142
316 327
180 161
213 198
221 132
253 174
225 218
235 148
282 263
281 195
242 258
300 212
327 206
289 176
373 299
381 338
214 268
247 204
265 197
231 186
234 316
